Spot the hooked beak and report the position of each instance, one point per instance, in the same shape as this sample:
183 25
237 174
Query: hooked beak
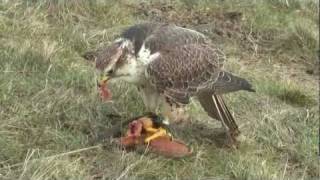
103 80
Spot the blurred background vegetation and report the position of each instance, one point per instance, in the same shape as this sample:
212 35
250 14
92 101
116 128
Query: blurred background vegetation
50 114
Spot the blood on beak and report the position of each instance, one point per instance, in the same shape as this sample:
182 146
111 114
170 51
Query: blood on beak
103 81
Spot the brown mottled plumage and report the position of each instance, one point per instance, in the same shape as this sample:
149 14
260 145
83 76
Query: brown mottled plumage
184 71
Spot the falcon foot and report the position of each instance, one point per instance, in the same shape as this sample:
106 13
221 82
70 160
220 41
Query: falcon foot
155 134
231 141
147 131
150 125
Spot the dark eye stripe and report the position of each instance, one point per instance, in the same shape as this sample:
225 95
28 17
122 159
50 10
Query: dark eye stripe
110 71
120 61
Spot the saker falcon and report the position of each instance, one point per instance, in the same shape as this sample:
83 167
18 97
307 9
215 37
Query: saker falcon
169 65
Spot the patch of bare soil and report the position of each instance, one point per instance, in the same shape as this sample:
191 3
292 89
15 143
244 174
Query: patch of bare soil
216 25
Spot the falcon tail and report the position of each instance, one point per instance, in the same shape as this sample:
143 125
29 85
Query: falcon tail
224 115
216 108
228 82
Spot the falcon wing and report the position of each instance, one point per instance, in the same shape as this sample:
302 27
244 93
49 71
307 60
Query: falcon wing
168 35
179 72
157 36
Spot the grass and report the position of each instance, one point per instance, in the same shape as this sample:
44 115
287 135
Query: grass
288 93
50 112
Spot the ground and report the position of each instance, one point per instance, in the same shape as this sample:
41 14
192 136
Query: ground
50 113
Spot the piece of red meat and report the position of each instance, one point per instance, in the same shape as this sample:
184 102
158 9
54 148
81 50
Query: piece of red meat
104 92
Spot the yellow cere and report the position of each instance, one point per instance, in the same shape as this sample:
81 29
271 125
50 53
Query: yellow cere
103 80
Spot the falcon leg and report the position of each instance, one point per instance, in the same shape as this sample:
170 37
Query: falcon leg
150 99
166 112
231 140
181 115
172 113
157 133
151 130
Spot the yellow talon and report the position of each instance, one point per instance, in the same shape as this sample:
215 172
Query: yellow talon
151 130
160 132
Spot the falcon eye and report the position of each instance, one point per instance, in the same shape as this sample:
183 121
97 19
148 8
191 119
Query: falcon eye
110 71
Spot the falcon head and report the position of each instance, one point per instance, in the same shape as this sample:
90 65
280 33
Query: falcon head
116 61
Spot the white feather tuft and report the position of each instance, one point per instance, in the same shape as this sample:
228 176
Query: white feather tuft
145 56
124 42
